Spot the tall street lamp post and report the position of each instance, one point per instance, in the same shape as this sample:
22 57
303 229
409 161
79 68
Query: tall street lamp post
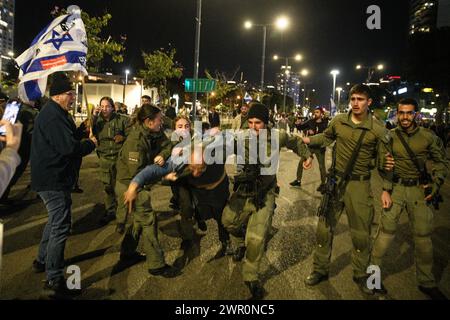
339 89
281 23
334 73
127 72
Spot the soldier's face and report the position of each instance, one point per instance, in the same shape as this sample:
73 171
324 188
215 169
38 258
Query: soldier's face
146 101
244 110
256 124
106 108
317 114
155 124
406 115
360 103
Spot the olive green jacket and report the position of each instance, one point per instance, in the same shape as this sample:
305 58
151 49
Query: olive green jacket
106 130
140 149
374 147
425 145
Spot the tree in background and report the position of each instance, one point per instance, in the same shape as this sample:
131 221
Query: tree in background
160 67
223 88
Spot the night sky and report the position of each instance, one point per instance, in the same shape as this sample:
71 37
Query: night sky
328 33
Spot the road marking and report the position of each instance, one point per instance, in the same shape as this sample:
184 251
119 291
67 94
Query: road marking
41 219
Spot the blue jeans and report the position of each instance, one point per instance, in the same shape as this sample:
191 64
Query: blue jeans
56 232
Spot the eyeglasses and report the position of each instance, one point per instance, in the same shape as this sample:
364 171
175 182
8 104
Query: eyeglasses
406 113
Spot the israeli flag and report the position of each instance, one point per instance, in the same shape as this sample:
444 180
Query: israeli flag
61 46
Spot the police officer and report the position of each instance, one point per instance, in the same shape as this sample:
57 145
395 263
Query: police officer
248 215
313 126
408 193
109 129
346 129
145 144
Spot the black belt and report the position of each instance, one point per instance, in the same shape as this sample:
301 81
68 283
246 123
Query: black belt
355 177
406 182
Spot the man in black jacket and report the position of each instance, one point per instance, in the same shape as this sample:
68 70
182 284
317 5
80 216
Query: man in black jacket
312 127
171 111
54 153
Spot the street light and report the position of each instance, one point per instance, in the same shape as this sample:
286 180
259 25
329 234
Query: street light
370 70
281 24
127 72
334 73
304 73
297 57
339 89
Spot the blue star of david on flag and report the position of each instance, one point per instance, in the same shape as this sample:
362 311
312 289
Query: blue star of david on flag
57 42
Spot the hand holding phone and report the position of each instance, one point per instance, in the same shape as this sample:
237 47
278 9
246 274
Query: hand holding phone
13 134
11 111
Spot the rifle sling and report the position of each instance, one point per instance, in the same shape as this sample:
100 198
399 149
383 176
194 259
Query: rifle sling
410 153
352 160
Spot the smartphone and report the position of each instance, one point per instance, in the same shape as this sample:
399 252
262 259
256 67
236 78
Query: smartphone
11 111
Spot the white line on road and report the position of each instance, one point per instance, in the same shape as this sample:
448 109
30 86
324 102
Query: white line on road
41 219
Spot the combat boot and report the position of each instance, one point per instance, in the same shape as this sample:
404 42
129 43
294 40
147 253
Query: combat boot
256 289
362 285
120 228
434 293
239 254
382 289
315 278
165 271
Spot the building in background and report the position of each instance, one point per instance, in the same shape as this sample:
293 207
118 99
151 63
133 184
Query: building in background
100 85
427 15
6 33
291 81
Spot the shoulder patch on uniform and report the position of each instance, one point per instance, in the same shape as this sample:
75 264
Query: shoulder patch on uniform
133 156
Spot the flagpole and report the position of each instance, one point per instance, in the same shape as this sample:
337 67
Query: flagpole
89 115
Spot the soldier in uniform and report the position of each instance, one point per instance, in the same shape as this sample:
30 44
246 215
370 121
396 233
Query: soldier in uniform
313 126
248 215
408 193
356 198
109 129
240 121
146 144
